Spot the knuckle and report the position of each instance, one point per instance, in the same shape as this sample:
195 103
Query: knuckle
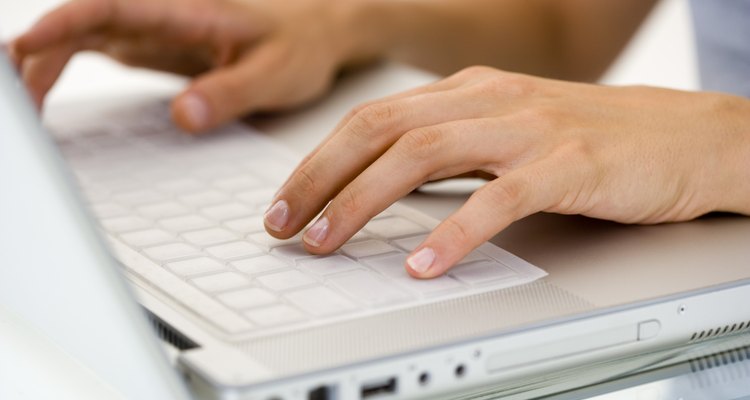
370 119
305 183
541 117
506 84
357 110
421 144
506 196
474 71
349 202
456 231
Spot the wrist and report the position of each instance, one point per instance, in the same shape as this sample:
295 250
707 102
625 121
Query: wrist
733 182
368 29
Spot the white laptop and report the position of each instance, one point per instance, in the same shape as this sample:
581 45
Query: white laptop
250 317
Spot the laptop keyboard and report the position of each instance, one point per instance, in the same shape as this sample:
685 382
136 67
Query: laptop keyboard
185 215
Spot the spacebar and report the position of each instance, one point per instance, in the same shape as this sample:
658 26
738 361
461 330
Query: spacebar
195 300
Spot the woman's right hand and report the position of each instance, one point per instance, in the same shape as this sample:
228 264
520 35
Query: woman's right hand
243 56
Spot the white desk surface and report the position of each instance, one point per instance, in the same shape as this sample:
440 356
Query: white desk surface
32 368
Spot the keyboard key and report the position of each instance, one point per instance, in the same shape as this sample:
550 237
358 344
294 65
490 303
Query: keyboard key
428 287
163 210
368 288
147 237
227 211
209 236
213 171
410 243
271 167
94 196
293 252
246 225
285 280
149 174
204 198
383 214
138 197
124 224
108 210
260 264
180 185
320 301
234 250
185 223
260 197
106 180
229 322
361 235
392 227
237 183
367 248
269 242
328 265
274 315
195 266
391 265
247 298
170 251
481 272
473 257
221 282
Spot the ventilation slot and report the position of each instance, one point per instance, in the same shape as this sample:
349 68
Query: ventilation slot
720 368
720 331
169 334
720 359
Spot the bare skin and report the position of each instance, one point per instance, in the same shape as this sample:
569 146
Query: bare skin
628 154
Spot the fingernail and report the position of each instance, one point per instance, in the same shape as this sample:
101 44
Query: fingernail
317 233
195 110
421 260
277 216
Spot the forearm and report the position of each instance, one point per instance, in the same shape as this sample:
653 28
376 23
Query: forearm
575 39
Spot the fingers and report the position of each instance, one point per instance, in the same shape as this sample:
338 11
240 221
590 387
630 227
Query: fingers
419 155
185 22
473 82
42 70
226 93
434 87
532 188
15 57
367 135
70 20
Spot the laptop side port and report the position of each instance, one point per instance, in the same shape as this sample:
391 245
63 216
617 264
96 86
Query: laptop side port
323 392
379 388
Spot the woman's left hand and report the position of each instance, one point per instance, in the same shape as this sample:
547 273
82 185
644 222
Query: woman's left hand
627 154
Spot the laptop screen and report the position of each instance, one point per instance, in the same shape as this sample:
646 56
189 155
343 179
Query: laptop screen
56 273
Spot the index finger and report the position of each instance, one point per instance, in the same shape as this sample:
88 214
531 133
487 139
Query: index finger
191 21
72 19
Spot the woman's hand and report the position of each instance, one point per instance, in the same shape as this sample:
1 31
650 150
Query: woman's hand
245 56
631 154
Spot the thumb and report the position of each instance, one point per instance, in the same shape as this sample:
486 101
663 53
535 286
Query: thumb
13 54
229 92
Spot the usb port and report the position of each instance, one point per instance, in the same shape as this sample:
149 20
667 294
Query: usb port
379 388
322 393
